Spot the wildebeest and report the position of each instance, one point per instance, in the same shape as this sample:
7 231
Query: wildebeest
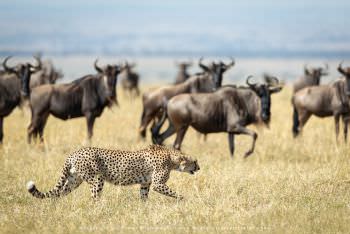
208 81
130 80
229 109
311 77
182 74
323 101
48 74
87 96
14 84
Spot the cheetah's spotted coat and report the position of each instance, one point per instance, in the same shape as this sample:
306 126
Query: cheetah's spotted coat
96 165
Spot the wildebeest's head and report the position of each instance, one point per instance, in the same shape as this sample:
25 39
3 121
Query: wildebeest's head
216 70
346 73
128 67
109 75
317 72
23 71
51 72
264 91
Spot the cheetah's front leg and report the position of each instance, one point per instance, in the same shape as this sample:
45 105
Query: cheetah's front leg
165 190
159 178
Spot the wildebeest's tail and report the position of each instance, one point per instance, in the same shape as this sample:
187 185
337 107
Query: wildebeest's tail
295 121
56 191
157 126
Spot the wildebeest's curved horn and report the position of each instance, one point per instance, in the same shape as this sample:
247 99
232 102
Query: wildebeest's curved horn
98 69
341 69
231 64
204 67
8 69
248 81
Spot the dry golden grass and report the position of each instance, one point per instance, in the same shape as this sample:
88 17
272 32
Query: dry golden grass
287 185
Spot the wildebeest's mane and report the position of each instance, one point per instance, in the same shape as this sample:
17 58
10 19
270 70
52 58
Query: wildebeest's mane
79 80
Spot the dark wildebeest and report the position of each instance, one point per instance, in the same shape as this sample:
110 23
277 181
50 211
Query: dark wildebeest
182 74
87 96
47 75
312 76
323 101
208 81
229 109
14 84
130 80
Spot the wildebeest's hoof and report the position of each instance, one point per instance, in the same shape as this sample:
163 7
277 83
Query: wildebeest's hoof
248 153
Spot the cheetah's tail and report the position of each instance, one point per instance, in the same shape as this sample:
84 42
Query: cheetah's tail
55 192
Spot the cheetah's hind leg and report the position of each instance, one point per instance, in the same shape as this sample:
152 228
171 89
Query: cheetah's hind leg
96 185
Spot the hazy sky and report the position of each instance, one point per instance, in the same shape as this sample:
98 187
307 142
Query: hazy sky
249 27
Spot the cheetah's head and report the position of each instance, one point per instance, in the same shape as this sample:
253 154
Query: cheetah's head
188 165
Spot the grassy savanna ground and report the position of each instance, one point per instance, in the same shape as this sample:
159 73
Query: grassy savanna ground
287 185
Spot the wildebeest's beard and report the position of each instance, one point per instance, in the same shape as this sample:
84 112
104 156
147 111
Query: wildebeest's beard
25 77
217 77
265 101
113 97
111 86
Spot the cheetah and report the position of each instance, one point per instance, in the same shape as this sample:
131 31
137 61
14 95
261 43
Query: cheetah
93 165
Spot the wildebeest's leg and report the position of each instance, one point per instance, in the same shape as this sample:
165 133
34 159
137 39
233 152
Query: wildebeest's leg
345 126
295 128
1 129
179 137
162 137
242 130
33 127
303 118
336 123
90 120
145 120
231 142
159 138
137 91
42 126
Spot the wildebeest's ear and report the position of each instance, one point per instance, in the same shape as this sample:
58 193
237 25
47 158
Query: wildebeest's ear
227 66
275 89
